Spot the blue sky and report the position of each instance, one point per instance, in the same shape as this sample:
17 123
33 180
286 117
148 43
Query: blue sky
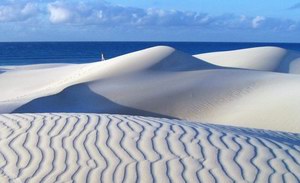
150 20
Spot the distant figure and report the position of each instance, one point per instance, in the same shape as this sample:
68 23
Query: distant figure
102 57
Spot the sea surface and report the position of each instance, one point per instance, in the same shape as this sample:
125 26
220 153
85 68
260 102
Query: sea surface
22 53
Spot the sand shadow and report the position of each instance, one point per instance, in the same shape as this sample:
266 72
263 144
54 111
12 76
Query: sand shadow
80 99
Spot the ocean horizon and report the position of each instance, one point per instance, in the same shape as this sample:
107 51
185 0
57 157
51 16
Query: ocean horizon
24 53
209 91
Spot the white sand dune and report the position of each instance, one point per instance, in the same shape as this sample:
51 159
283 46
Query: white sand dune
57 141
230 97
159 81
260 58
36 77
31 67
116 148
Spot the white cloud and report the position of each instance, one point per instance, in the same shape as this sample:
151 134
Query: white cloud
257 21
58 14
17 12
6 13
101 13
29 9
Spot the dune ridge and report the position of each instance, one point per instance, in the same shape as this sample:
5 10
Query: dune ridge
160 58
155 115
115 148
261 58
158 81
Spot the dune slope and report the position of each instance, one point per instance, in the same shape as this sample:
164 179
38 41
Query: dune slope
240 98
39 80
158 81
260 58
115 148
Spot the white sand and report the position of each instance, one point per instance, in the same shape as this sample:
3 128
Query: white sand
115 148
31 67
229 97
159 81
260 58
48 145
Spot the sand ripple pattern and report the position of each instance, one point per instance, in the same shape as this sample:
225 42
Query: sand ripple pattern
118 148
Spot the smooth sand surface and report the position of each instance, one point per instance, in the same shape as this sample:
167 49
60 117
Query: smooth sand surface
118 148
158 81
31 66
260 58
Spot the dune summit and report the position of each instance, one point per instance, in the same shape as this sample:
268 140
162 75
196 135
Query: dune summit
162 81
155 115
261 58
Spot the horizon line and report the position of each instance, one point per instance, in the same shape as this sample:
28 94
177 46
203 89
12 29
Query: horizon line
255 42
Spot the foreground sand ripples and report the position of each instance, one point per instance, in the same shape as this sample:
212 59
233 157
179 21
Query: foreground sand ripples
116 148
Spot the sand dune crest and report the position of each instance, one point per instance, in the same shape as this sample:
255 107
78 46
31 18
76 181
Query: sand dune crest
162 81
260 58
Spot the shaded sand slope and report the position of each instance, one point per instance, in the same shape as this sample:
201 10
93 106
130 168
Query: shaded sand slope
38 80
260 58
71 100
245 98
158 81
115 148
241 98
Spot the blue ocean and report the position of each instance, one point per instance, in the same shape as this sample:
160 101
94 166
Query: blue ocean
20 53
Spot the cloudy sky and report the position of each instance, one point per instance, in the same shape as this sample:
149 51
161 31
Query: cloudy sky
150 20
